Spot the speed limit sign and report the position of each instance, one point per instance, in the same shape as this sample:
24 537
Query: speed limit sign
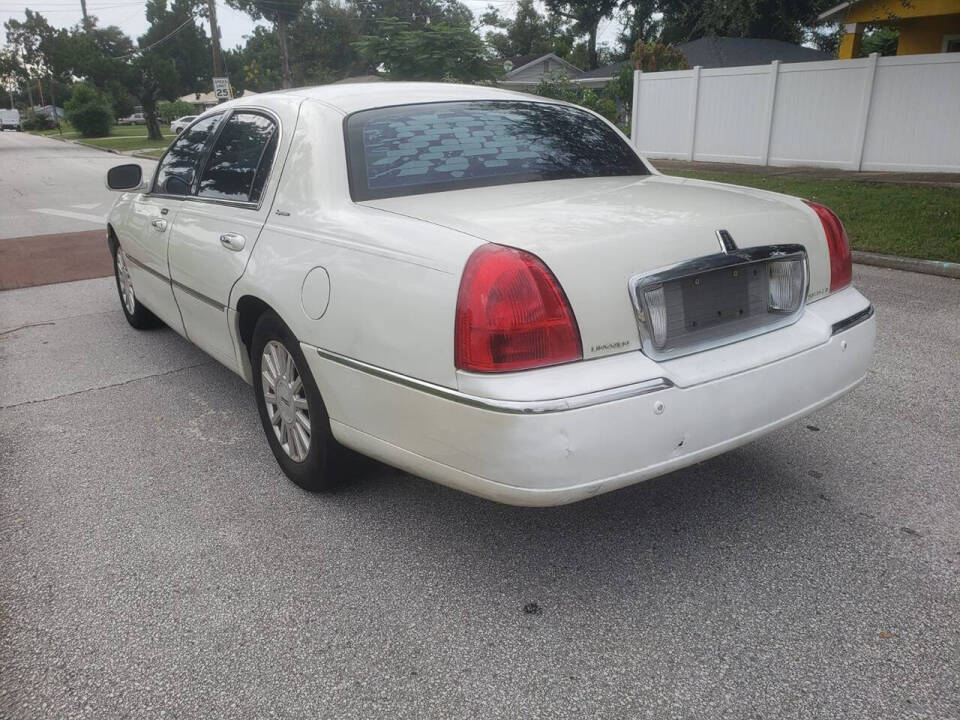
221 88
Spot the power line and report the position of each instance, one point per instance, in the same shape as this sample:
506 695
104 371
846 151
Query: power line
76 10
47 5
163 39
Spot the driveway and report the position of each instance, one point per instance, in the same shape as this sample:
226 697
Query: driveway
155 562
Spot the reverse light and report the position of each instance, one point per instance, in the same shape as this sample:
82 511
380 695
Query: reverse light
512 314
786 285
656 304
841 265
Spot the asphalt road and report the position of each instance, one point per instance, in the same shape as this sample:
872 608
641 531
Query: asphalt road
48 187
155 562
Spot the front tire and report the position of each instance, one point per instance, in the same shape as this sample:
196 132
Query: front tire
137 315
291 409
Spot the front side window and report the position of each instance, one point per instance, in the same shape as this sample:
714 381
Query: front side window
432 147
240 159
178 169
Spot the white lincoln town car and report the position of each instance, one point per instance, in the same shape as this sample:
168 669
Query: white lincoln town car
484 288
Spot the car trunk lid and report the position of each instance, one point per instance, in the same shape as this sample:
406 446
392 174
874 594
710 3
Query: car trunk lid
596 234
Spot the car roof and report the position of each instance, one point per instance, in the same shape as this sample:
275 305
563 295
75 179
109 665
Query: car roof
351 97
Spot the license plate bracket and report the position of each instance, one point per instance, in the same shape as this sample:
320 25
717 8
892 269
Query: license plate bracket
712 301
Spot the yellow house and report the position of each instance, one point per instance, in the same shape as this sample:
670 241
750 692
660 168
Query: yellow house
925 26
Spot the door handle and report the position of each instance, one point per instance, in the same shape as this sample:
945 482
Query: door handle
160 224
233 241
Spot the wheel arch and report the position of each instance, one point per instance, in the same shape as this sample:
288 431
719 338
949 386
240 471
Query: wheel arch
249 309
112 242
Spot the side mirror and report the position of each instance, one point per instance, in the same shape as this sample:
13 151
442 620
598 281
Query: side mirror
124 177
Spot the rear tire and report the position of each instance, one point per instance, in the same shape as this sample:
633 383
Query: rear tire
137 315
291 409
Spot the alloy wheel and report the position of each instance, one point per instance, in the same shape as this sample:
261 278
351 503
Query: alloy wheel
125 283
286 401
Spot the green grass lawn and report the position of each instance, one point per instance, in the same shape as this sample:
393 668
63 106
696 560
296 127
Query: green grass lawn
66 129
122 137
920 221
128 142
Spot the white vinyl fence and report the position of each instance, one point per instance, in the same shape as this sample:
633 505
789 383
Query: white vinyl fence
875 113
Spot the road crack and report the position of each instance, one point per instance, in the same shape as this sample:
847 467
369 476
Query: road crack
106 387
24 327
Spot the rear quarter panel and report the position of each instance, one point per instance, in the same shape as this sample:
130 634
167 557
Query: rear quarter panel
393 281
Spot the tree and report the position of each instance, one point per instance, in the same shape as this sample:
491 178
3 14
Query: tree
176 36
322 43
774 19
585 16
642 21
154 77
27 38
281 13
88 111
883 40
435 52
257 63
417 14
526 33
12 73
174 59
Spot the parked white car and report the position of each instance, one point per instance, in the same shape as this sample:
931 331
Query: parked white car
180 124
485 289
9 119
135 119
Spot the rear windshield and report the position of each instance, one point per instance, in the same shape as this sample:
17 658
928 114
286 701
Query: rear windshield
412 149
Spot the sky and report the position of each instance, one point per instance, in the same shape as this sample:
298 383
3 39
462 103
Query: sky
129 16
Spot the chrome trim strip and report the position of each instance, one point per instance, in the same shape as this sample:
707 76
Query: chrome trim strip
202 298
855 319
513 407
740 256
147 269
179 285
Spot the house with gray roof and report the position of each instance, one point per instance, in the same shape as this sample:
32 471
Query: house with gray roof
707 52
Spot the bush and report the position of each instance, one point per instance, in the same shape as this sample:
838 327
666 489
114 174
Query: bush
168 111
559 87
31 120
89 111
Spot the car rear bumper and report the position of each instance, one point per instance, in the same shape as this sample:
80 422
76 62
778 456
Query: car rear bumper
560 449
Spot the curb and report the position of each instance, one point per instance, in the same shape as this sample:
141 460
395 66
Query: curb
94 147
926 267
122 153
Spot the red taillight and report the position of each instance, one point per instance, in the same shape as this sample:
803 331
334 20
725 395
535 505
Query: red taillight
841 266
512 314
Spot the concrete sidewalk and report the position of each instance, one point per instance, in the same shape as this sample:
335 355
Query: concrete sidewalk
811 173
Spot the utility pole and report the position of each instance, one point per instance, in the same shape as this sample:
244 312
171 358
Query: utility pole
53 99
83 8
218 70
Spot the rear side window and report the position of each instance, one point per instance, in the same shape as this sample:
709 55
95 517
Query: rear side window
240 159
178 169
411 149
